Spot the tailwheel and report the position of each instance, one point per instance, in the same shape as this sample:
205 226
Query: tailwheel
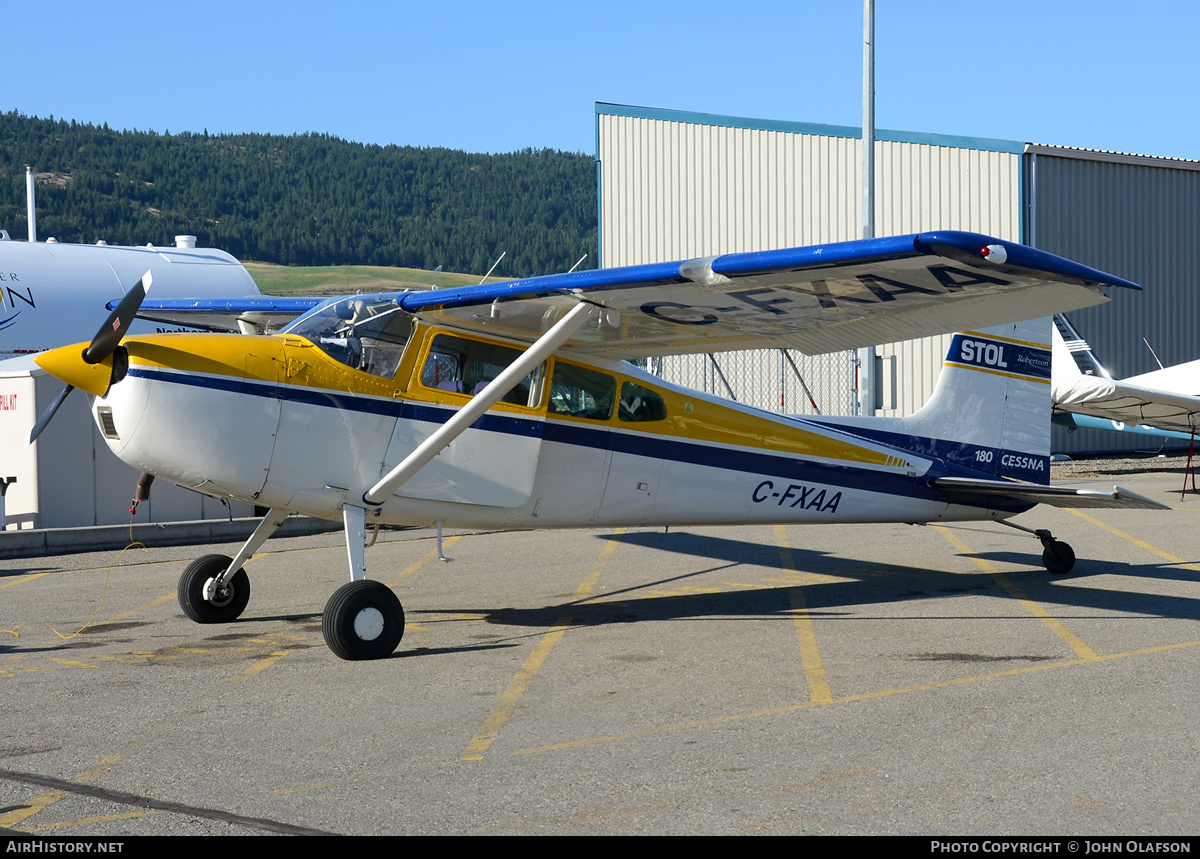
231 597
363 620
1057 557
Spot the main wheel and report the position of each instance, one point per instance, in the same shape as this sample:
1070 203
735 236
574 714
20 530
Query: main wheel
1058 558
363 620
231 598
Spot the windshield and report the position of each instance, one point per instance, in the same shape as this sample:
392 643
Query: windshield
366 333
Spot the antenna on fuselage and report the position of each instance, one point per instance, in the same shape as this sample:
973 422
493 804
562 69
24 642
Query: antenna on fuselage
493 268
1155 354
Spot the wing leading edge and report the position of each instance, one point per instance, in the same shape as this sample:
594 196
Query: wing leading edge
266 313
816 299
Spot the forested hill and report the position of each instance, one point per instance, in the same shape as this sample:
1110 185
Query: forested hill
305 199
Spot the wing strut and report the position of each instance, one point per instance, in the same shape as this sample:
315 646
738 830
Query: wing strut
484 400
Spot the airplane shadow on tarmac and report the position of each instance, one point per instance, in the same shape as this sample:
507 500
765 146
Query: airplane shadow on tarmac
861 583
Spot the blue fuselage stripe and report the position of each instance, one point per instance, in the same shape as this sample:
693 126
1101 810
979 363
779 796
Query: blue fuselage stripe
653 446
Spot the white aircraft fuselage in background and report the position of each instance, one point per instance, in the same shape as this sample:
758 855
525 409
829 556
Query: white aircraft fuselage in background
53 293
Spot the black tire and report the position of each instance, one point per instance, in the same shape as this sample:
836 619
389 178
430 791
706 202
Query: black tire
363 620
231 602
1058 558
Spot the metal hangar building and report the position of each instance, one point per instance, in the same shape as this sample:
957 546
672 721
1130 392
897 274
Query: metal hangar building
676 185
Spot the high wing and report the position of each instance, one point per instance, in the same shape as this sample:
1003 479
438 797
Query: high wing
265 313
816 299
1081 385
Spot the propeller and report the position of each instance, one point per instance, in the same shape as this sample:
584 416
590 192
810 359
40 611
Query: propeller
114 328
48 414
99 369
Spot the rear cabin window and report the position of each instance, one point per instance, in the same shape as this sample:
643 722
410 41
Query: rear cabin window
581 393
463 366
640 404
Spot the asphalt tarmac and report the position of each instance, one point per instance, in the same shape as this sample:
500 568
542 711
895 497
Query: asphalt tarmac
899 679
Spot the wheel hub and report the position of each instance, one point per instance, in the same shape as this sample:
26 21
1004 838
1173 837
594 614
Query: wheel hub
221 595
368 624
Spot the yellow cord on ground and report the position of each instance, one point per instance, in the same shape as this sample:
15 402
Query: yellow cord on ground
103 594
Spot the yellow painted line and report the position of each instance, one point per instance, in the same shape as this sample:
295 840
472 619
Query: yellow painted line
22 580
848 699
492 725
122 659
325 785
806 636
88 821
1166 556
589 582
447 542
75 663
1054 624
42 802
260 666
152 604
517 687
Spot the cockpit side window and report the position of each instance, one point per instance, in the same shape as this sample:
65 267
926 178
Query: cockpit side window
581 393
463 366
640 404
363 333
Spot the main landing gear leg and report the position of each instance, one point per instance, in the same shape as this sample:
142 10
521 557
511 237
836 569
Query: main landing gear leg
215 588
1057 557
363 619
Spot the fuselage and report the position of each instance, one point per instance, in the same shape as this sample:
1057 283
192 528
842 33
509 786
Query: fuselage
280 422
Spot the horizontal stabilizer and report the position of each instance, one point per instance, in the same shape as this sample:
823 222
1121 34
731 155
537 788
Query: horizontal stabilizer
1055 496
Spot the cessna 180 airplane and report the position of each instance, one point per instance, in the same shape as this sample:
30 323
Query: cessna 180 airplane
508 405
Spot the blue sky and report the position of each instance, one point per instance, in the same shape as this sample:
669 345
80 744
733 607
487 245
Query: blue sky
501 76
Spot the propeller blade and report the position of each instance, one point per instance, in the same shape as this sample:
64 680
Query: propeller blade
48 415
113 330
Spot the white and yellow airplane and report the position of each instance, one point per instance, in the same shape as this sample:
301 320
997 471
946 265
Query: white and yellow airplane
507 405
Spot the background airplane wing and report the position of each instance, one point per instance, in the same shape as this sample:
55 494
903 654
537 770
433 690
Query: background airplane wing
1165 399
1128 403
816 299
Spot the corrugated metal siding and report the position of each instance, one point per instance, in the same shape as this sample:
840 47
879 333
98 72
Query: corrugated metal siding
920 187
1138 221
674 190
